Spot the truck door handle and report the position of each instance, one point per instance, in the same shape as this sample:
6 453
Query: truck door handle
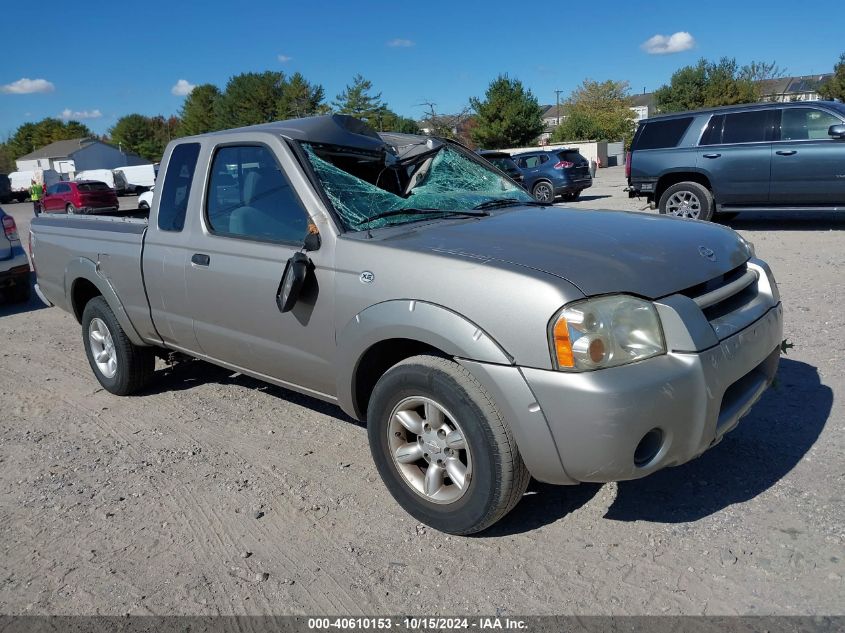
200 260
786 152
712 155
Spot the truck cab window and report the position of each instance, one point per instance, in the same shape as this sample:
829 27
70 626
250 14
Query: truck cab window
250 197
173 204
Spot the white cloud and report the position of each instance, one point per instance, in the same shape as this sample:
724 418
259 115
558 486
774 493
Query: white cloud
182 88
400 43
285 58
27 86
668 44
67 114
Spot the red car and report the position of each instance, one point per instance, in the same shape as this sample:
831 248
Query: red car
83 196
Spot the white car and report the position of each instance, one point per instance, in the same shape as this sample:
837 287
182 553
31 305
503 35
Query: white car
145 200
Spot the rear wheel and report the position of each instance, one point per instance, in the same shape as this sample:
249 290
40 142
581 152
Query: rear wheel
70 209
543 192
120 366
687 200
441 446
144 206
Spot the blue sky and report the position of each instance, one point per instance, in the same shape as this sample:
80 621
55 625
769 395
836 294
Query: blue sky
107 60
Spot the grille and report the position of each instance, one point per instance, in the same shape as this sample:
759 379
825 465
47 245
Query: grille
726 293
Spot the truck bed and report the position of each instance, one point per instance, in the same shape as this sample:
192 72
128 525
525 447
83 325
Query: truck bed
110 245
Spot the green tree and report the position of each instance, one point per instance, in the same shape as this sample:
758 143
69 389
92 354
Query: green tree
597 111
300 98
508 116
7 161
143 135
197 113
357 100
31 136
389 121
834 88
249 99
708 84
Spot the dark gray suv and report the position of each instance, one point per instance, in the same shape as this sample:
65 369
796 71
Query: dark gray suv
765 156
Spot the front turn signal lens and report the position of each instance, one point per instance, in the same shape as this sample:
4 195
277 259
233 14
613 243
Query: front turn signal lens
563 344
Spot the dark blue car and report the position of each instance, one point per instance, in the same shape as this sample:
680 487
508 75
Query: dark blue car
549 174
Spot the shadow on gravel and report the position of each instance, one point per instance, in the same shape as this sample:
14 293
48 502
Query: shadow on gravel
542 504
786 221
34 303
191 373
584 198
766 445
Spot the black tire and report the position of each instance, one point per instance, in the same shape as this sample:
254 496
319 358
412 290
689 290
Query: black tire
499 476
693 190
135 365
70 209
543 192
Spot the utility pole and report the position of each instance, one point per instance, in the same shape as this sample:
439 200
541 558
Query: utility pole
557 107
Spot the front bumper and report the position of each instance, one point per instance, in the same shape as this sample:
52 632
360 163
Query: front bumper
599 419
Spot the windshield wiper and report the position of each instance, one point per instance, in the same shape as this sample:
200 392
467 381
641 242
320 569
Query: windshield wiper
415 211
499 203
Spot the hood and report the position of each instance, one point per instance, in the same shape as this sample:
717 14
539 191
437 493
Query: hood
600 252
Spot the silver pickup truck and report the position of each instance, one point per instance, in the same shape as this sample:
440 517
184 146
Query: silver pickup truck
484 337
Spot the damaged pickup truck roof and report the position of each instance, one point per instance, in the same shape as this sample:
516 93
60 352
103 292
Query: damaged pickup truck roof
374 180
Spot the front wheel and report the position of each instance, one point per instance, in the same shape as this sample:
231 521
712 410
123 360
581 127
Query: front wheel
120 366
687 200
441 446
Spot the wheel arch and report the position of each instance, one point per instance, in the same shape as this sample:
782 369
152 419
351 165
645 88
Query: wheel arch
83 283
674 177
386 333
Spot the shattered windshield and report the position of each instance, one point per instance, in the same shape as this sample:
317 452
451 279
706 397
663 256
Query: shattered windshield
361 186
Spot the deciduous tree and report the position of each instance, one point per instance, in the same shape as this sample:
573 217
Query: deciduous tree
197 113
31 136
142 135
597 111
834 88
249 99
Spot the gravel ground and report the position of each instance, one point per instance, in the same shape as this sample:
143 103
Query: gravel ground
213 493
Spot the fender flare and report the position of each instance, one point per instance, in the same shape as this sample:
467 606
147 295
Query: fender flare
83 268
421 321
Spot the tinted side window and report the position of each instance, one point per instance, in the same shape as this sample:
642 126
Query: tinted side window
63 189
249 196
801 124
746 127
173 203
713 133
531 161
661 134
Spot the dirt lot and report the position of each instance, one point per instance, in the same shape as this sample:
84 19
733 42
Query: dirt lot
216 494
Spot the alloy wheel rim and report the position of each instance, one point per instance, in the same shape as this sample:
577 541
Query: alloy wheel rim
102 347
684 204
542 193
429 449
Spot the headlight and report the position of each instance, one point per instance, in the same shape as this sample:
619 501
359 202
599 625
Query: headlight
605 332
